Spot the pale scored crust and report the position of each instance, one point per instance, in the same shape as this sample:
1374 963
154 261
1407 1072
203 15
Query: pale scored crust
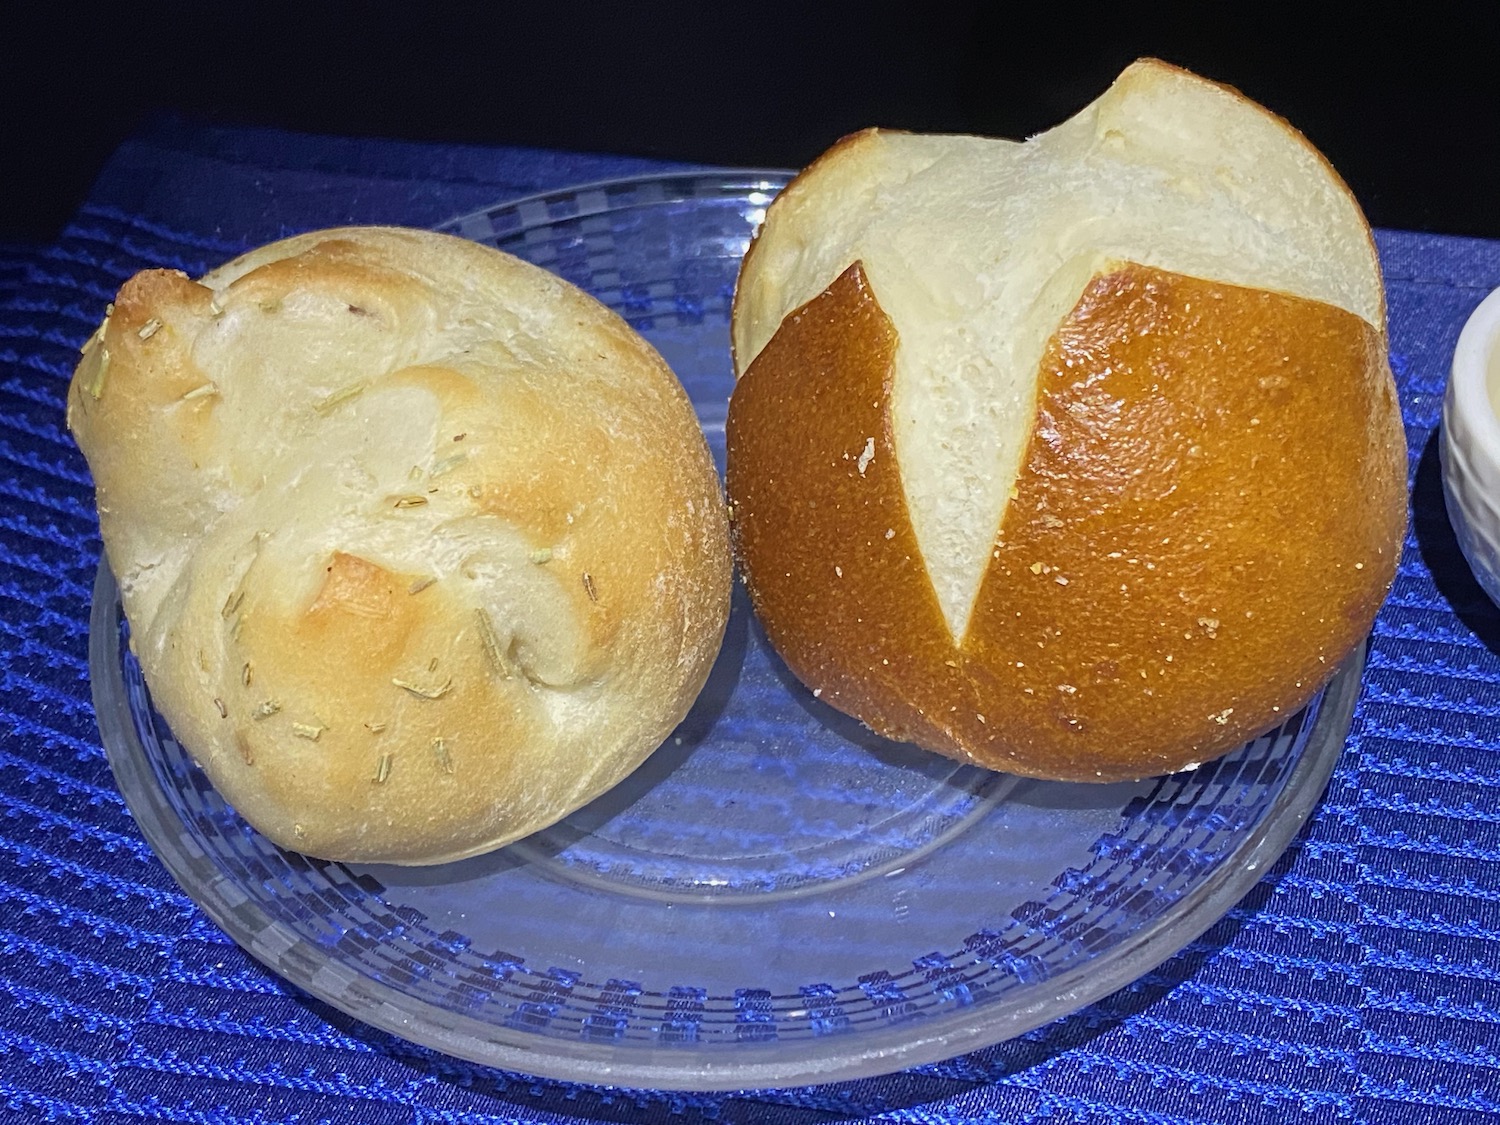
421 547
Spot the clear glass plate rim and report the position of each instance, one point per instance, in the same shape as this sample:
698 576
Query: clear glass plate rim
708 172
942 1035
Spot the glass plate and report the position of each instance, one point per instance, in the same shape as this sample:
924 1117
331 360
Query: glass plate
777 897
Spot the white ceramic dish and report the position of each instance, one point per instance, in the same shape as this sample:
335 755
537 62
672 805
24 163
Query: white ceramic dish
1470 445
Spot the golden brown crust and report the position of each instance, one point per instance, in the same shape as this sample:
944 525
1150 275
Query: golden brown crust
421 547
1206 521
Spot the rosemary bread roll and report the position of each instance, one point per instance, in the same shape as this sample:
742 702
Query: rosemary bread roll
421 547
1078 458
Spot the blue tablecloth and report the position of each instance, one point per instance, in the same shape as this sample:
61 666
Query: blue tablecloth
1359 981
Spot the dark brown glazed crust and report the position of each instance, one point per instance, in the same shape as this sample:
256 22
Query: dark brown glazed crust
848 606
1208 516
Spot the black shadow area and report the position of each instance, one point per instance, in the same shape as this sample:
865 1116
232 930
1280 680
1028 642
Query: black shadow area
1438 546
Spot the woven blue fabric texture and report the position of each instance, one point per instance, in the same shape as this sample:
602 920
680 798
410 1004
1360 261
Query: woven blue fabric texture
1359 981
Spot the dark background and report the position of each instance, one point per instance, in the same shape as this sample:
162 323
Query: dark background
1406 104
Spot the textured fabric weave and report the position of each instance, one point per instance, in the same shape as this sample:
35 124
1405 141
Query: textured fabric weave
1359 981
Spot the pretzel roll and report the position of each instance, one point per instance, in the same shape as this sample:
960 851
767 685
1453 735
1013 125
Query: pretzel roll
1078 458
421 547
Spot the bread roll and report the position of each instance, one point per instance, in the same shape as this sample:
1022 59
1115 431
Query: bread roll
421 547
1078 458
